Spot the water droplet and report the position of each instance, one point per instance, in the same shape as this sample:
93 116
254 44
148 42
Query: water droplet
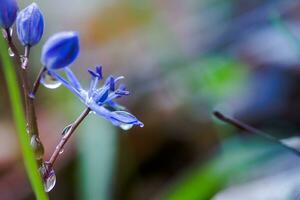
31 95
11 30
37 147
22 58
66 129
61 151
50 82
10 52
48 175
126 127
24 62
93 112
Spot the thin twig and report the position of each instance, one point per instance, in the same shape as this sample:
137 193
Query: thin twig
25 57
59 148
29 104
37 82
242 126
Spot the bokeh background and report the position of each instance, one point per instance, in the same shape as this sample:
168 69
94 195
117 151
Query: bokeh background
181 60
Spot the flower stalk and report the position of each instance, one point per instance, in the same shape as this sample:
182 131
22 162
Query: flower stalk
37 82
59 148
58 53
32 127
20 123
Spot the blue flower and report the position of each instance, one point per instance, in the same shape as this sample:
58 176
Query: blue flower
60 50
100 100
30 25
8 13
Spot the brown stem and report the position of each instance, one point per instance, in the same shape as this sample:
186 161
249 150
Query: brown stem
67 136
37 82
29 104
242 126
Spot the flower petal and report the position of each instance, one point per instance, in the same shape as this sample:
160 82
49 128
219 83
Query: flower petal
73 79
117 118
124 117
68 85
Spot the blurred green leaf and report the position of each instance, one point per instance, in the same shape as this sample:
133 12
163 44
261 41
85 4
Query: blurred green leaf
97 144
203 182
216 77
20 123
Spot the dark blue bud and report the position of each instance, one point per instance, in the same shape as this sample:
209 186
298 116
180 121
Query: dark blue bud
60 50
8 13
30 25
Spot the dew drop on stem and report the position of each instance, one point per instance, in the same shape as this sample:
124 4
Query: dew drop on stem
48 176
37 147
66 129
11 30
50 82
61 151
10 52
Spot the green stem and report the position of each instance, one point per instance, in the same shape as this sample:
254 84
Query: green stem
20 123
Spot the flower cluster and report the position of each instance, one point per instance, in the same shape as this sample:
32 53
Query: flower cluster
57 55
101 100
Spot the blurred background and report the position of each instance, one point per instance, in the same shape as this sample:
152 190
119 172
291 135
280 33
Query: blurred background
181 60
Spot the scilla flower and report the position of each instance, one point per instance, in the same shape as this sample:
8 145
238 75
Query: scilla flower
60 50
101 99
30 25
8 13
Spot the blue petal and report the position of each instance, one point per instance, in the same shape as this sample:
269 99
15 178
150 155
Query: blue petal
114 106
68 85
93 86
117 117
102 95
110 81
124 117
73 79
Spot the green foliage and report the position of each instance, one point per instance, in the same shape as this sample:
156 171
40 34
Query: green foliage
238 157
216 77
20 123
97 146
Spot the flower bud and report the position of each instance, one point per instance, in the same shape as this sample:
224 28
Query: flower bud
8 13
30 25
60 50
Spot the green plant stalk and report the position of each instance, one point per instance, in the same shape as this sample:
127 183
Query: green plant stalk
20 123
